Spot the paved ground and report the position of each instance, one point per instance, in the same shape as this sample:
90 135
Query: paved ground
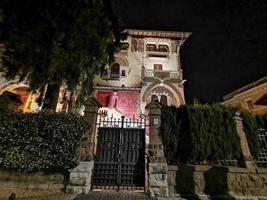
120 196
45 195
22 194
113 196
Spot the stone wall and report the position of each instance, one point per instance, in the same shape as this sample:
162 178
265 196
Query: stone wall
203 182
38 181
80 178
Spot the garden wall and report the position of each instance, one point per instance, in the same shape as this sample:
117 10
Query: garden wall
38 181
202 181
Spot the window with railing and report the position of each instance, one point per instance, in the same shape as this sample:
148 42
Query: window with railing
151 47
163 48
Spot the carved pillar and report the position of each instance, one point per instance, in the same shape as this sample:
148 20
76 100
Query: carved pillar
80 176
249 162
157 166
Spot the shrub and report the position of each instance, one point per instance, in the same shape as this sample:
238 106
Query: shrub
44 141
195 133
262 121
251 130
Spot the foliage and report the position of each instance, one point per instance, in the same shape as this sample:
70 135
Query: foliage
262 121
195 133
251 129
44 141
56 42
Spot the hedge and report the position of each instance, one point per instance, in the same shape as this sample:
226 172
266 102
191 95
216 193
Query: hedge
44 141
192 134
251 129
262 121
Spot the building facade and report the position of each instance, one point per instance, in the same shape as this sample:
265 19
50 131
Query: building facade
147 67
252 97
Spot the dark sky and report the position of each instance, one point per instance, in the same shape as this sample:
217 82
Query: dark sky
228 47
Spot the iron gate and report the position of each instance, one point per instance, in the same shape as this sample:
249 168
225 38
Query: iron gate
120 154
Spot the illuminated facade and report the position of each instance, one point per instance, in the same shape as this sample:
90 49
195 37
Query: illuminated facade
252 97
148 66
17 92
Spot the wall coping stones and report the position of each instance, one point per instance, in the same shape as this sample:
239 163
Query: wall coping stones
215 181
38 181
83 167
261 170
203 168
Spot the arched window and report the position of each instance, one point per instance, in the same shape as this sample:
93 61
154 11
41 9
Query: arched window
154 97
133 45
115 71
163 100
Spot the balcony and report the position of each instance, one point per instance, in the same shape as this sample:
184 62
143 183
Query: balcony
151 74
161 51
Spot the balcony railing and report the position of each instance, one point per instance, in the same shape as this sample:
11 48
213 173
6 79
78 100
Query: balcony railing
161 74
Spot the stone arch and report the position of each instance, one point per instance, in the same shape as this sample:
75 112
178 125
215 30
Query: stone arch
149 88
122 61
178 97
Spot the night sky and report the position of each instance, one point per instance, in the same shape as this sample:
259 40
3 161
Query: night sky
228 47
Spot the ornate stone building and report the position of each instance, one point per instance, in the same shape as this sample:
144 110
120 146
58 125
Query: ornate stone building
148 66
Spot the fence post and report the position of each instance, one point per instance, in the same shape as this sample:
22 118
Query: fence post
80 176
90 115
248 159
157 165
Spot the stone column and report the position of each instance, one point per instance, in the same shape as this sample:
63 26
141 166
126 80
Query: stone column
80 177
90 115
248 159
157 165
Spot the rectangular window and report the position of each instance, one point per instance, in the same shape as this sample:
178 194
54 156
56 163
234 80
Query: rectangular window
250 105
157 66
163 48
123 73
151 47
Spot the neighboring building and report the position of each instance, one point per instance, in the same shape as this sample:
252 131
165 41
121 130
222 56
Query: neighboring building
148 66
252 97
17 93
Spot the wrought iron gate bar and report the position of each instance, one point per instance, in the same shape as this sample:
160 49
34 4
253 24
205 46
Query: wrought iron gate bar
262 157
120 156
122 122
